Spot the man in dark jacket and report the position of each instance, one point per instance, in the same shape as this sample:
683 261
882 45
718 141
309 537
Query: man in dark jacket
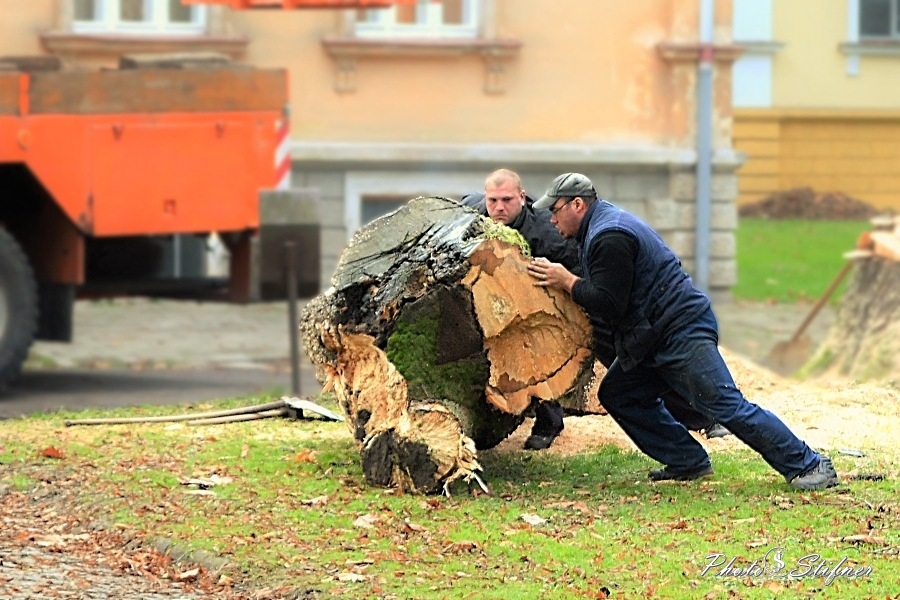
665 338
505 201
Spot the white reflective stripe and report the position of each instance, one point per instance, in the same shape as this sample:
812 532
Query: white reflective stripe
282 155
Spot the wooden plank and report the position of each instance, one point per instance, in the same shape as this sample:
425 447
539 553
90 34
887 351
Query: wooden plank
141 90
758 184
758 148
760 166
9 93
31 63
757 130
177 60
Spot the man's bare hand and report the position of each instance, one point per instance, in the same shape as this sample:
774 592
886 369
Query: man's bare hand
550 274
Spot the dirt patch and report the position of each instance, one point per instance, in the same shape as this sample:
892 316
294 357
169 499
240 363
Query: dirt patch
806 203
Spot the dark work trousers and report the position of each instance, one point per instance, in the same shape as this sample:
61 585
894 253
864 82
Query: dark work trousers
689 363
682 410
685 413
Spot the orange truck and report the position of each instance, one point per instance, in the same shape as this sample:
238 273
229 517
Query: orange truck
112 180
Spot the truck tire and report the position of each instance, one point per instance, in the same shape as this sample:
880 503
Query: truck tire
18 308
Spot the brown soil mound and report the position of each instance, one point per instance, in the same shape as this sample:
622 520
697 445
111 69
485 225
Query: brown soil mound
806 203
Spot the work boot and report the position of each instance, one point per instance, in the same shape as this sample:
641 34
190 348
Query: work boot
665 474
548 424
819 477
539 442
716 430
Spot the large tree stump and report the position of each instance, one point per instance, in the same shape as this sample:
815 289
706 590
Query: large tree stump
435 340
864 341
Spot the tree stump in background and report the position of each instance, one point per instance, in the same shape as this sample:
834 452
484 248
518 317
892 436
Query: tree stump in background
435 339
864 341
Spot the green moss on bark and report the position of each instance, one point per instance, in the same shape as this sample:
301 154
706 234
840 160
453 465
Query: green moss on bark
412 349
498 231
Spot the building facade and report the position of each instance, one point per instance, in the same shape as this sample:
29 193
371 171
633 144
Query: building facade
817 97
427 99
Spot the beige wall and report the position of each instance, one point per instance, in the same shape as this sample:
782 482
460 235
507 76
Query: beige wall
21 24
594 75
811 70
827 129
587 72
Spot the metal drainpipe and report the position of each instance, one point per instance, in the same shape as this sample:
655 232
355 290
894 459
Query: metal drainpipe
704 146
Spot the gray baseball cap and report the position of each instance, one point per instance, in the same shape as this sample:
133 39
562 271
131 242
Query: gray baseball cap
567 185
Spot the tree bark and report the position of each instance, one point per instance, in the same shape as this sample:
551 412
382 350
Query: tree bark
435 340
864 341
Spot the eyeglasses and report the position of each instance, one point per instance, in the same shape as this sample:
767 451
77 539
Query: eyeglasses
556 209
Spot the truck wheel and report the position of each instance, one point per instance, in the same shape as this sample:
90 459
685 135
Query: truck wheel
18 308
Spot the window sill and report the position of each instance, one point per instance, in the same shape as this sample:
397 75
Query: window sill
871 47
495 53
676 52
759 46
68 43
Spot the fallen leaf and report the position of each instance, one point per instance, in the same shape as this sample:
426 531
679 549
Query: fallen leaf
206 482
51 452
368 521
858 539
533 519
189 575
317 501
465 546
351 577
305 456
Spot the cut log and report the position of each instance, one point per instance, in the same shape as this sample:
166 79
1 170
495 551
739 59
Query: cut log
864 341
435 340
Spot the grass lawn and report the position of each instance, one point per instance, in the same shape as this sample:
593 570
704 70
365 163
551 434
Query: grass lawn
294 510
297 511
792 260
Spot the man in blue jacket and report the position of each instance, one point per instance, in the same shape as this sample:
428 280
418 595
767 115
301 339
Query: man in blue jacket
666 339
504 200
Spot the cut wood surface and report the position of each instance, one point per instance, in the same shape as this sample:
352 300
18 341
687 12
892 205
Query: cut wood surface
864 341
435 340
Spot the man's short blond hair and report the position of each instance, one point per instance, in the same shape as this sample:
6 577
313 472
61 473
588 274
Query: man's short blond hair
501 176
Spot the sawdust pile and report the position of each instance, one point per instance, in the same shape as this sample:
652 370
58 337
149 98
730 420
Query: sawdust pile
829 415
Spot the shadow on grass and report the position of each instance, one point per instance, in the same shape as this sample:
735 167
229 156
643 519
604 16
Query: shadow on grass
615 473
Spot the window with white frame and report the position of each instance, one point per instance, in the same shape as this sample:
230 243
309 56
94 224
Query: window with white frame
879 19
430 19
138 17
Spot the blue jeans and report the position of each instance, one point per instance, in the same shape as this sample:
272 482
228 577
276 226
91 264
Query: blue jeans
689 363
